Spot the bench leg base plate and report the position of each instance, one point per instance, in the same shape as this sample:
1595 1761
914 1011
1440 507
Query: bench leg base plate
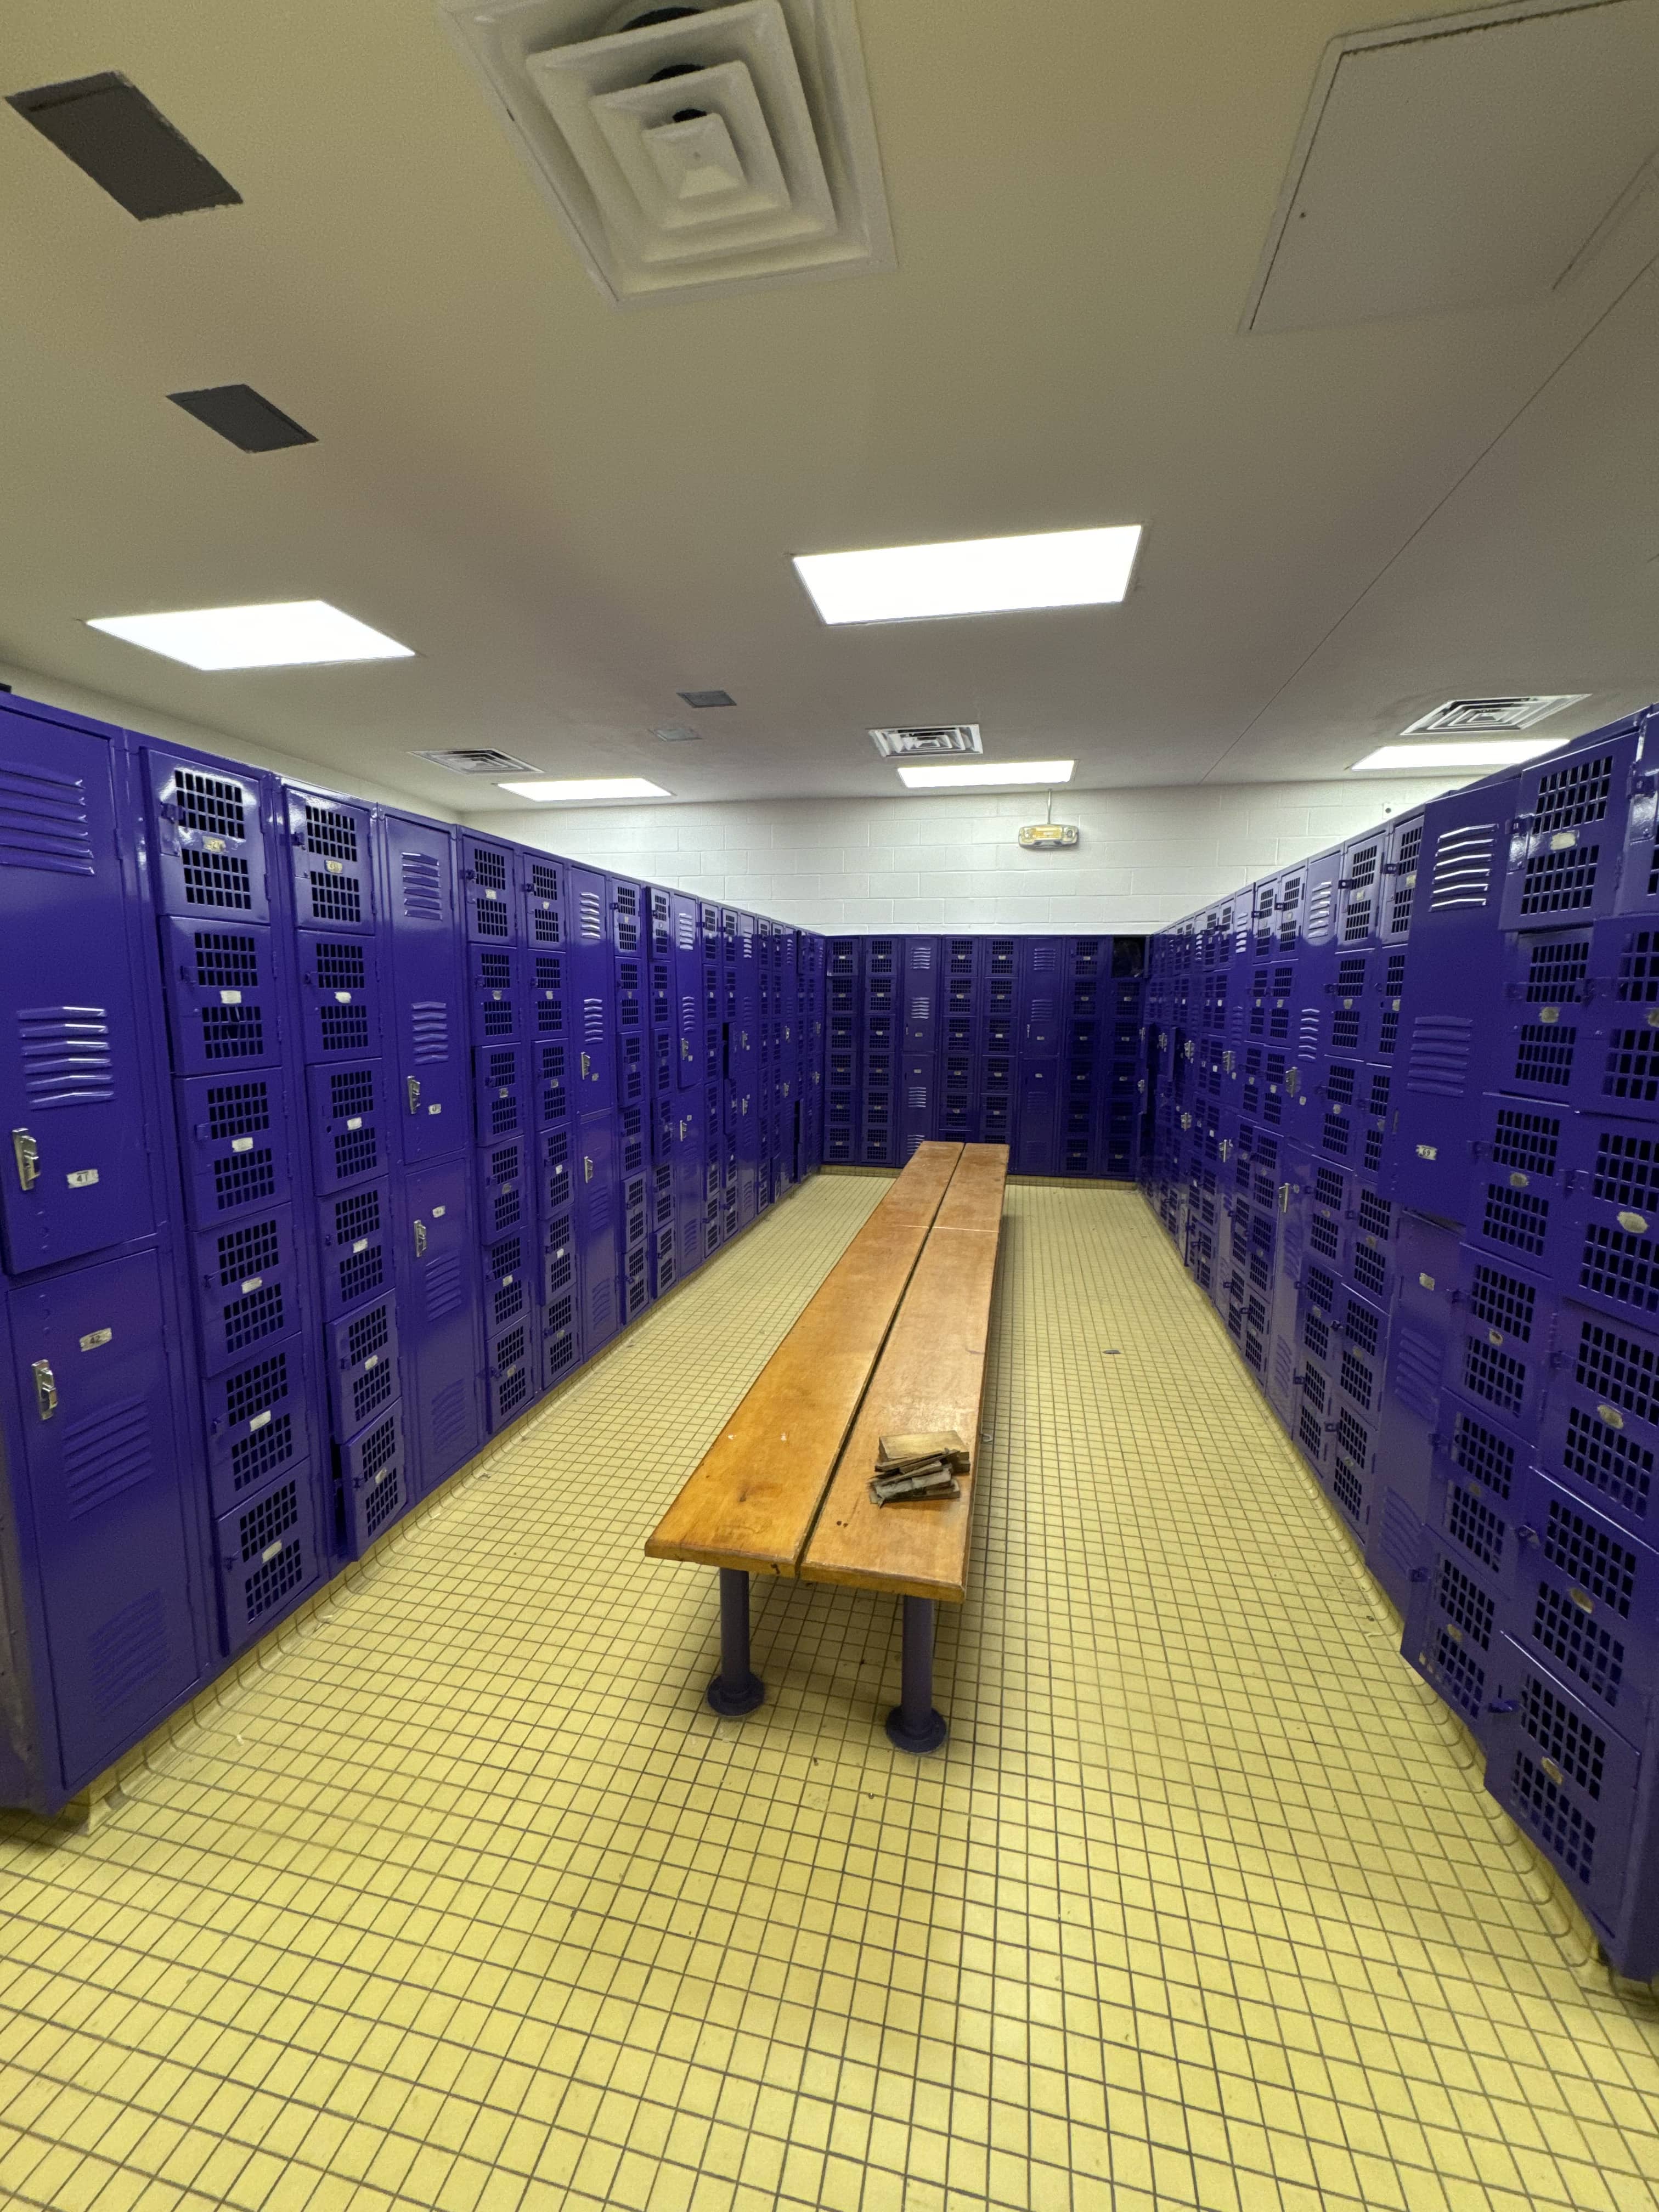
932 1734
731 1704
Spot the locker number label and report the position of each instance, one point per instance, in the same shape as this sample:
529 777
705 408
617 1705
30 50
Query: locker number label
230 998
261 1421
81 1178
241 1144
91 1342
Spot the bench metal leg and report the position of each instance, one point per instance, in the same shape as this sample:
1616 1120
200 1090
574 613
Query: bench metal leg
912 1725
735 1689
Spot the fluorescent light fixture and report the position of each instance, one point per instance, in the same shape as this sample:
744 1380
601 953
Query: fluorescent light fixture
961 776
972 576
1458 752
584 791
287 634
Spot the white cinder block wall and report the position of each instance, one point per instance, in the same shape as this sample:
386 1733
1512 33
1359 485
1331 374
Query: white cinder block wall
1144 858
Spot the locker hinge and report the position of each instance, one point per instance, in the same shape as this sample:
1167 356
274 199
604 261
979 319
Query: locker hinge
45 1388
414 1094
27 1153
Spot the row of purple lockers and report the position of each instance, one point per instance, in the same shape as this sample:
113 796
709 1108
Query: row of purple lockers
1499 1476
185 1342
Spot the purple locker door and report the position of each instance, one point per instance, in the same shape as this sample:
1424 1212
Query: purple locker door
209 842
487 882
105 1482
329 843
689 1020
74 1169
439 1303
1040 1018
598 1209
590 990
428 1030
1037 1129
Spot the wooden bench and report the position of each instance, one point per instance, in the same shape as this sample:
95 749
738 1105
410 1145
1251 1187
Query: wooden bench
750 1505
784 1490
931 1376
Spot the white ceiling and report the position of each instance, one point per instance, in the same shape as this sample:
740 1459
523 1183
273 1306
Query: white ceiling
573 512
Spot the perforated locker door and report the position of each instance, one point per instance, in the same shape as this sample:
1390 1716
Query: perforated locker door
690 1020
598 1247
72 1122
440 1309
105 1481
428 1030
1040 996
590 992
332 861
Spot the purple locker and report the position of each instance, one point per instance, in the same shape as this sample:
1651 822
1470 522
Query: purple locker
222 995
500 1093
1037 1133
1497 1360
590 987
271 1553
442 1351
1567 837
1453 1624
690 1024
235 1143
598 1243
511 1369
426 1041
509 1264
555 1170
550 1071
105 1483
547 995
374 1480
348 1116
1041 996
260 1422
247 1288
1402 849
1448 1022
363 1349
744 1066
209 842
340 997
562 1351
498 987
488 892
1361 887
1638 877
505 1198
541 879
331 854
76 1177
1599 1431
355 1253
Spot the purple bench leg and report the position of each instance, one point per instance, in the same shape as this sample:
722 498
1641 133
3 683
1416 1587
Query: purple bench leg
735 1690
912 1725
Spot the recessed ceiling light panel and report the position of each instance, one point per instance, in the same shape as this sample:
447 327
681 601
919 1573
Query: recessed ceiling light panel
286 634
972 576
585 790
1465 752
981 775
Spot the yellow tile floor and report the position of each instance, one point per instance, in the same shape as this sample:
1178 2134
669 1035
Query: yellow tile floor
467 1900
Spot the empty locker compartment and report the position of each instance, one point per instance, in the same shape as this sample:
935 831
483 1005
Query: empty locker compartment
329 840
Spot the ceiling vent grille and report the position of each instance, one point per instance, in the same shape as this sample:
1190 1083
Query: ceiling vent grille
687 149
1464 716
928 742
477 760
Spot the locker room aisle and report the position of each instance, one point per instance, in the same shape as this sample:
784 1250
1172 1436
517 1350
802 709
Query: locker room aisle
467 1900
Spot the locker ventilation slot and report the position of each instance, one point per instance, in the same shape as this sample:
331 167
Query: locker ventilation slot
1437 1064
1560 883
368 1336
219 879
1558 1824
1544 1054
1462 1679
1474 1526
106 1455
263 1524
422 887
430 1031
361 1273
448 1415
1503 1301
344 1029
238 1110
253 1389
335 898
234 1032
226 963
1639 968
1556 972
1525 1140
209 804
340 967
1466 1604
129 1650
245 1321
1571 796
330 833
43 822
254 1457
352 1093
1462 867
1617 1466
65 1055
1591 1558
1626 1169
1492 1375
1633 1066
1618 1368
250 1251
1620 1266
445 1286
1518 1218
1583 1647
1484 1454
265 1589
243 1178
1561 1736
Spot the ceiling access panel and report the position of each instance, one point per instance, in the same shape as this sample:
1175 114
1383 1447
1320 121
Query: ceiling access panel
1451 1029
489 897
425 1042
331 844
1569 831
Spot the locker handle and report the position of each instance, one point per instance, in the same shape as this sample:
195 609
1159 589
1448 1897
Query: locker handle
414 1094
420 1239
587 1169
27 1153
46 1388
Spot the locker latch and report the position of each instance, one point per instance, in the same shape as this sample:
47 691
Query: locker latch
46 1388
27 1153
420 1239
414 1094
587 1169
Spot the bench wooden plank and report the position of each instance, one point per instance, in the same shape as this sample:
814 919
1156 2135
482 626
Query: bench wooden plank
931 1376
751 1502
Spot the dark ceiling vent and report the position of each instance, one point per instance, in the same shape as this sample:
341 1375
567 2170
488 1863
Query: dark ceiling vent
107 128
477 760
243 415
708 699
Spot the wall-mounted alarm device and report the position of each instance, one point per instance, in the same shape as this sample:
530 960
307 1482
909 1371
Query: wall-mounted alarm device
1048 836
